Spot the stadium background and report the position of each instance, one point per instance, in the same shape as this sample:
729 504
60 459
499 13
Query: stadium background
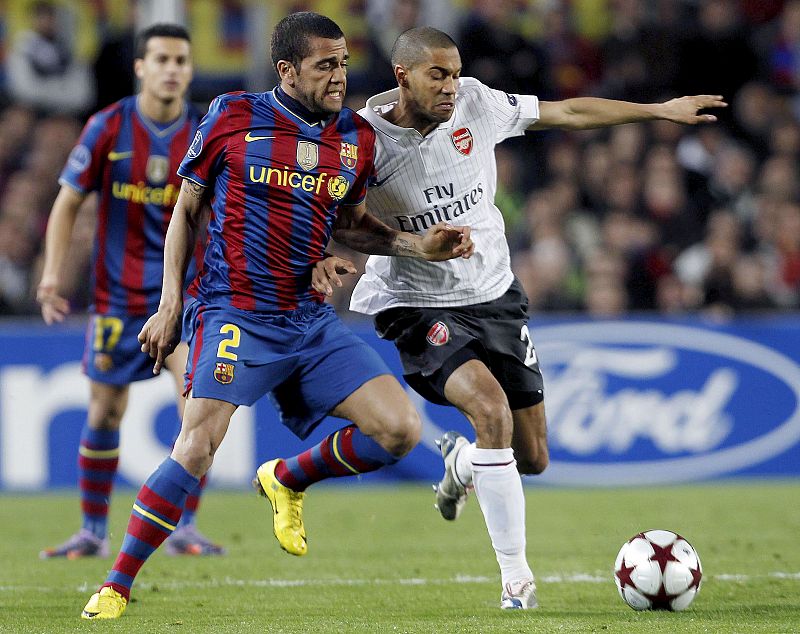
662 263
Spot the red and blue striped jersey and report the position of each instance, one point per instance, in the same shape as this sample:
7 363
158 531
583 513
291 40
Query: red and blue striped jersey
277 183
132 163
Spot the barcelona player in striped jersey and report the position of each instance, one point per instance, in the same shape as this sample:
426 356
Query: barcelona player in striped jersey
284 169
128 154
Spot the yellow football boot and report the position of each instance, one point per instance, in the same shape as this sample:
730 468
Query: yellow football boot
105 604
287 509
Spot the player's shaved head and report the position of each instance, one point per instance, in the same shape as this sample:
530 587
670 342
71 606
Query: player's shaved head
412 46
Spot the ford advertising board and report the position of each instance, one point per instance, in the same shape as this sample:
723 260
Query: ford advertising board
634 402
648 402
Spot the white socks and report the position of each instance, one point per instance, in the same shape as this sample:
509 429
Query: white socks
464 465
498 488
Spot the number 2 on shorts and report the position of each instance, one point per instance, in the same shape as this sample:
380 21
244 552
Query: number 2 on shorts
231 342
530 353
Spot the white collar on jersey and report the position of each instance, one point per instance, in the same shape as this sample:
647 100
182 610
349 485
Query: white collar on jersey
384 102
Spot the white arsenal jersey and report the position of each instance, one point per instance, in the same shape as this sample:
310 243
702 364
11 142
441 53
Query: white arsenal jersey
449 175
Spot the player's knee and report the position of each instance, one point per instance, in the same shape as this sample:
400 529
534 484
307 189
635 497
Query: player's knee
105 416
195 451
533 462
402 432
493 422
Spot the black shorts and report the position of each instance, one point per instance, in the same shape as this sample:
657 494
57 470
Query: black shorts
434 342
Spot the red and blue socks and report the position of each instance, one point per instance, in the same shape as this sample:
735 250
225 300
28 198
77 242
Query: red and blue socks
192 502
346 452
98 457
156 513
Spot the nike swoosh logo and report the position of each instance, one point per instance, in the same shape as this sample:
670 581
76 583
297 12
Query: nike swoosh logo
378 183
249 137
118 156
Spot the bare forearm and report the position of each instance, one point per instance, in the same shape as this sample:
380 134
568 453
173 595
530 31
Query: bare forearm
179 245
582 113
177 254
59 232
373 237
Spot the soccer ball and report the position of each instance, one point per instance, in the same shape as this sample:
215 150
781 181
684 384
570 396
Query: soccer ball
658 570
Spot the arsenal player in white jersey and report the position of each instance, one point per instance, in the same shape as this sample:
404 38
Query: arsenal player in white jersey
461 325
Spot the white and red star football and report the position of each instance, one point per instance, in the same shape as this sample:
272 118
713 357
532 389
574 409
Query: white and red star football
658 570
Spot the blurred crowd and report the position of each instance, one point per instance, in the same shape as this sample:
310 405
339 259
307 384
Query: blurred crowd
644 217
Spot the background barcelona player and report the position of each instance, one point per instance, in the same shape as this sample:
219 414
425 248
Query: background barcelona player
285 167
128 154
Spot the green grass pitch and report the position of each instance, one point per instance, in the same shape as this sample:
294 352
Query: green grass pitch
381 560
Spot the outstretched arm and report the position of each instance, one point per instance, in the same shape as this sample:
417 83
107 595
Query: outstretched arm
161 332
583 113
363 232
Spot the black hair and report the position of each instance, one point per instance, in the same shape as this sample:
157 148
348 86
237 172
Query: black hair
159 30
291 34
43 7
411 46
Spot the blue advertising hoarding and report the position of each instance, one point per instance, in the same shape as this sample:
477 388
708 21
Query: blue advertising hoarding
629 402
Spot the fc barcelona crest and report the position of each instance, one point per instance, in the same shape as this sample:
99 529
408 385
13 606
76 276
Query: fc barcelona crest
462 141
223 373
157 169
307 155
103 362
349 155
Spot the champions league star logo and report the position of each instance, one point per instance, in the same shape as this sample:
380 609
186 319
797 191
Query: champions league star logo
80 158
462 141
197 146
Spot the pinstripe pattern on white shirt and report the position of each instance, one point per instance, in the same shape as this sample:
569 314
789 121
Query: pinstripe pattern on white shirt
448 175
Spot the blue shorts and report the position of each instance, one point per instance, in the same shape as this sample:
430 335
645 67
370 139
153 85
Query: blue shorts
113 353
307 360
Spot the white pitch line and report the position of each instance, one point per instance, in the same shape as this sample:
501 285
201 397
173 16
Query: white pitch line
794 576
581 577
457 580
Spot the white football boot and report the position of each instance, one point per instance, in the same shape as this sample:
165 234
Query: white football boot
519 595
451 493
